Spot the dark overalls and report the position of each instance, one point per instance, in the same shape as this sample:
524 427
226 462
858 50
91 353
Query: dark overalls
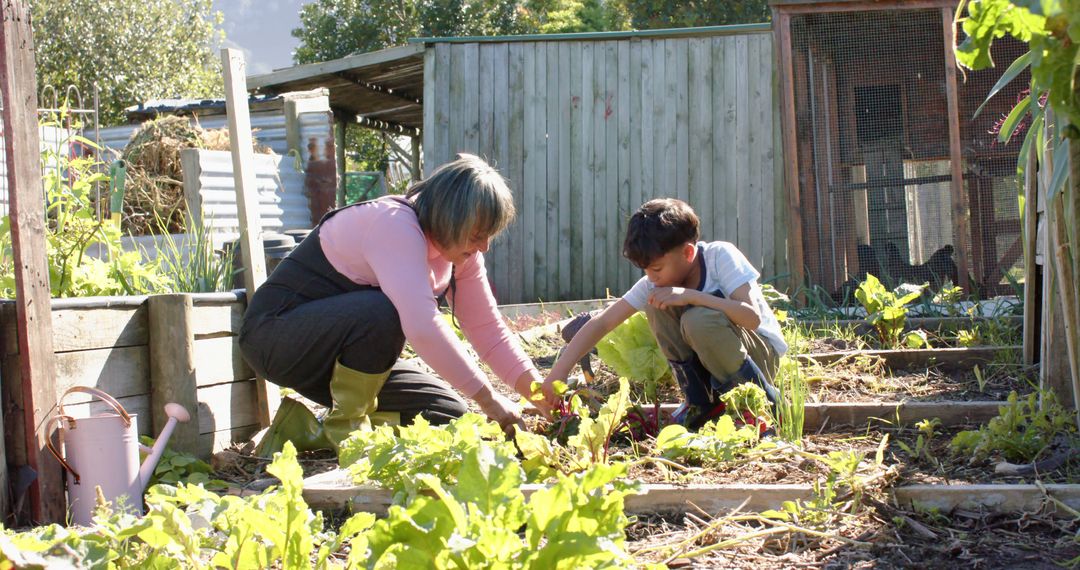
307 315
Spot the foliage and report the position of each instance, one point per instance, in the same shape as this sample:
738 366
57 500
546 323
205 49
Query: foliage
391 455
927 429
886 310
1020 432
73 230
176 467
583 440
631 350
188 527
194 266
715 442
654 14
569 16
791 409
747 398
134 50
1052 32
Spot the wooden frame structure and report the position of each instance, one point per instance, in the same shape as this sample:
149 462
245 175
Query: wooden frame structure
974 231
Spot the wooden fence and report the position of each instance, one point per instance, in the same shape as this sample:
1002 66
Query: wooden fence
586 131
126 346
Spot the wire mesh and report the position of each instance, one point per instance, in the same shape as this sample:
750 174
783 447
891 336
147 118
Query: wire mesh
873 156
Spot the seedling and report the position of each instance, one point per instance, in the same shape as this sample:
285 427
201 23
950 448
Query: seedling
886 310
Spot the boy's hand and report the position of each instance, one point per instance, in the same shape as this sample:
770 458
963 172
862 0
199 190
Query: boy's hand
665 297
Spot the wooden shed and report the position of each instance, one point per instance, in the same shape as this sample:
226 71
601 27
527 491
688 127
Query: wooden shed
586 127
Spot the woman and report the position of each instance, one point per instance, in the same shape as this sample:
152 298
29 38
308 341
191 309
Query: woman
333 318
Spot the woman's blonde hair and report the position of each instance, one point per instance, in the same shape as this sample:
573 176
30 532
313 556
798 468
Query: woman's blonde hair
461 197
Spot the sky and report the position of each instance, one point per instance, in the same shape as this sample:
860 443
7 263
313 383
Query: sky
261 29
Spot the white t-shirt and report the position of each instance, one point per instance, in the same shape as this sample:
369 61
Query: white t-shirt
725 269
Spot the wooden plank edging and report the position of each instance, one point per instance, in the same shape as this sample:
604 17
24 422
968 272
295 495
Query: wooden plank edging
946 358
335 490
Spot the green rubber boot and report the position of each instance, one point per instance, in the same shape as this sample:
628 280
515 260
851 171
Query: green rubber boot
356 397
296 423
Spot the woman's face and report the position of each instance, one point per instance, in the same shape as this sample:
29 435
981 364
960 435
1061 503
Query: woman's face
476 243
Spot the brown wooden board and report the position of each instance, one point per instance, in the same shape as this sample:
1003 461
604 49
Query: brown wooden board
335 490
946 358
18 94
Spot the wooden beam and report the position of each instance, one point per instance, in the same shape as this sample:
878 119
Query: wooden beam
247 200
415 172
961 233
999 498
946 358
374 88
387 126
172 367
815 7
782 43
18 94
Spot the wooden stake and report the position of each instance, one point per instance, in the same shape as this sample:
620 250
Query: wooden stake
1031 270
956 159
18 95
172 368
782 46
247 200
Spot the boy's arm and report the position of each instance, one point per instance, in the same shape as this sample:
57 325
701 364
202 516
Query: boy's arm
738 306
584 341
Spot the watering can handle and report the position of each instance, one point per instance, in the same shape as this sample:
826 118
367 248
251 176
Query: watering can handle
60 415
101 395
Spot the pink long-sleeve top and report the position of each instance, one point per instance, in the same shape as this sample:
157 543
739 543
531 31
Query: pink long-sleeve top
381 244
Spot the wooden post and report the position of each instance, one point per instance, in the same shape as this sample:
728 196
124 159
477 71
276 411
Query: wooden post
247 200
1031 270
782 43
959 199
342 161
172 367
18 95
415 173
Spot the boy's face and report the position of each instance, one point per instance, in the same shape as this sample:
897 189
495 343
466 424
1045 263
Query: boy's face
672 268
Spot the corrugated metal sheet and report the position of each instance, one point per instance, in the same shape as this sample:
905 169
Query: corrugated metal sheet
282 203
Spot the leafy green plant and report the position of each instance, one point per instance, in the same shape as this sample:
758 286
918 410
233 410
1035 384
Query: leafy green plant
791 409
588 443
927 429
916 339
717 441
886 310
175 467
391 455
1021 430
194 266
631 351
73 230
748 402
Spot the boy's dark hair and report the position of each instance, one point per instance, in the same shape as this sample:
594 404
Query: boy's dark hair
658 227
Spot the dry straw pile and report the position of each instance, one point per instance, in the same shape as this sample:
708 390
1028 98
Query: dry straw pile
155 189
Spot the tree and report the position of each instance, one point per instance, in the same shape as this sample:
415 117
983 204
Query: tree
655 14
569 16
332 29
134 50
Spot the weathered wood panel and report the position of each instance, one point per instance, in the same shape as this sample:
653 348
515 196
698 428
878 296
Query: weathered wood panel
589 130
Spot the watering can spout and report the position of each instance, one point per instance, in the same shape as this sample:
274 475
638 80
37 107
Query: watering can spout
176 413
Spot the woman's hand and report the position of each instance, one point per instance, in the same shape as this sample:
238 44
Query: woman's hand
499 409
523 385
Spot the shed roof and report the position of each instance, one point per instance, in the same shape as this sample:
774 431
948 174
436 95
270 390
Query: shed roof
385 87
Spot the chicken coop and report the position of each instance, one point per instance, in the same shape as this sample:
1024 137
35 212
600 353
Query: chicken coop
888 169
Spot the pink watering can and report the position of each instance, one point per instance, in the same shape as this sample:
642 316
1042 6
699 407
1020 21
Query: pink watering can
103 451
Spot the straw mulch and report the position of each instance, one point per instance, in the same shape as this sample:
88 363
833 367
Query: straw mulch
154 187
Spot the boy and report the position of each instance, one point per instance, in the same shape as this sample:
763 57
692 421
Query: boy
703 304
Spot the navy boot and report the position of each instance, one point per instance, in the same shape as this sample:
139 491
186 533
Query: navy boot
702 400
